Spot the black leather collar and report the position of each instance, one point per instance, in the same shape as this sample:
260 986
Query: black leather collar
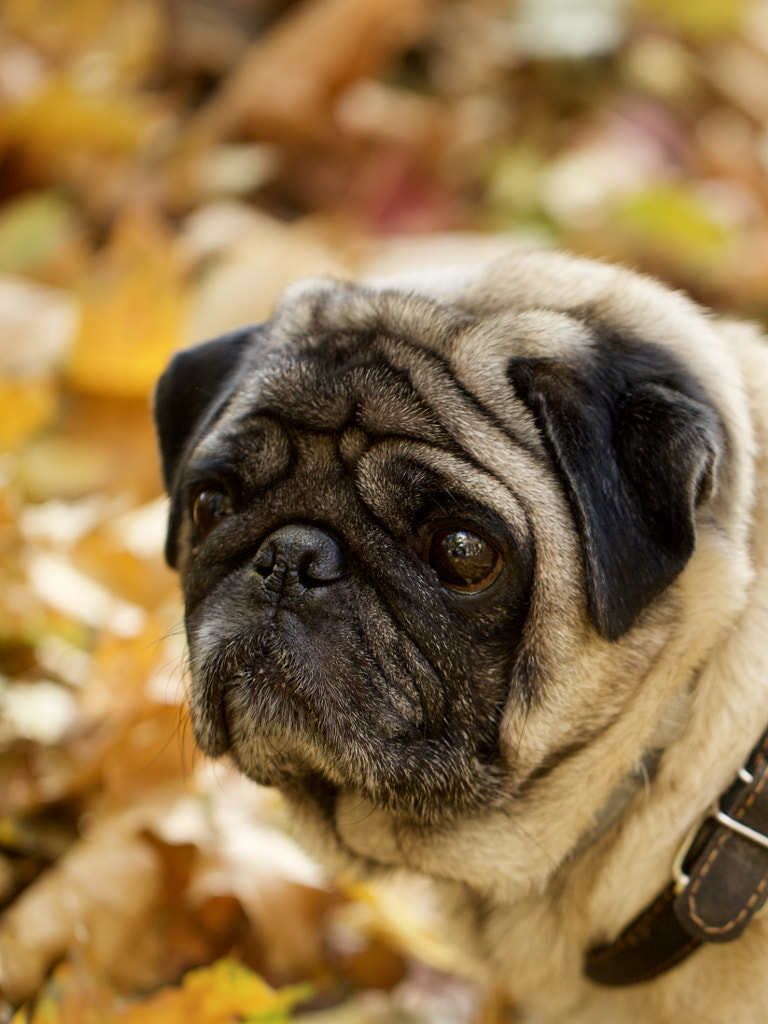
720 882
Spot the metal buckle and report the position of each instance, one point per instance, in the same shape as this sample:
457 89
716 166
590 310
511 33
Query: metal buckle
742 830
680 878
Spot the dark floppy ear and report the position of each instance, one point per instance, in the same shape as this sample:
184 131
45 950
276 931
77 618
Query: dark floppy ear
194 387
637 443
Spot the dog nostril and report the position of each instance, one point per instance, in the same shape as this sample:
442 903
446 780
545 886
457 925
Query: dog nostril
264 562
311 554
321 565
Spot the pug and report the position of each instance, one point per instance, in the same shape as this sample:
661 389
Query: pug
475 569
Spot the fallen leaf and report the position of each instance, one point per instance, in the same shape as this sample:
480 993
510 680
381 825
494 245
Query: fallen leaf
697 19
43 711
133 307
54 466
63 587
740 72
677 224
75 119
243 285
101 890
56 26
28 408
224 993
285 85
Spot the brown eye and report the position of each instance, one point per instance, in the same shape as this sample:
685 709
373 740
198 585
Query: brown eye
463 560
209 508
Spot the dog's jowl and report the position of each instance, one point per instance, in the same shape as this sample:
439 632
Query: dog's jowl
475 569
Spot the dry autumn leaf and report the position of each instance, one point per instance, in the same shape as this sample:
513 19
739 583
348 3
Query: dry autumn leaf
27 406
224 993
133 305
285 85
75 119
102 888
58 26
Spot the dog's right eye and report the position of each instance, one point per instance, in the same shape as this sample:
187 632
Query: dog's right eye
210 506
463 560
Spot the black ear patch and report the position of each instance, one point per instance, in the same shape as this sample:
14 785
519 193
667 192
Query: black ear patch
188 396
637 443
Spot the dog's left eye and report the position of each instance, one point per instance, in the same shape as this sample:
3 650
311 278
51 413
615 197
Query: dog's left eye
210 506
463 560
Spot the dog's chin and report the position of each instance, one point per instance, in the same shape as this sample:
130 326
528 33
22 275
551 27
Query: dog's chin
422 783
276 742
323 719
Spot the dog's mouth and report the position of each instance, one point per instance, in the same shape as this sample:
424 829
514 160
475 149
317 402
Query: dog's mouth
320 712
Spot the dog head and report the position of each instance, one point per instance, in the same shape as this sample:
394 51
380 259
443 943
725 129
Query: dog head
411 516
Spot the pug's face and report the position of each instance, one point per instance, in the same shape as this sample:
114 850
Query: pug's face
399 518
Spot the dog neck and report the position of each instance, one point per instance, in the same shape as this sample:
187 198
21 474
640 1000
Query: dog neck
669 728
638 778
720 881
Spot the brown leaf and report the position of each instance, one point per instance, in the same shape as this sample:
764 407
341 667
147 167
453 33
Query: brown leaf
102 888
285 86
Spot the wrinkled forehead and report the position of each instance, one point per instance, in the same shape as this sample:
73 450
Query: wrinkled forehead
338 383
391 363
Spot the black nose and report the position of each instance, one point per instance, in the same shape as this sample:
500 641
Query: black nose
313 556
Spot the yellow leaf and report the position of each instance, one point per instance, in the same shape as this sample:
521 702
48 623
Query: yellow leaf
133 311
28 407
73 119
405 920
57 25
46 1012
675 222
126 35
699 18
224 993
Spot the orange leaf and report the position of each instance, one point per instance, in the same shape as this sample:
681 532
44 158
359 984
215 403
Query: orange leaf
133 309
223 993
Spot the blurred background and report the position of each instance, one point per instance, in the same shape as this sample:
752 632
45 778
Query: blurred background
166 168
